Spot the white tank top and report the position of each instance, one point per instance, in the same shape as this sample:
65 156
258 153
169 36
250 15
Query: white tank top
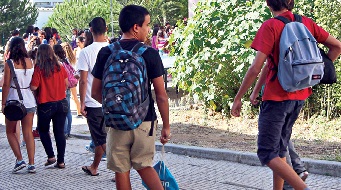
24 81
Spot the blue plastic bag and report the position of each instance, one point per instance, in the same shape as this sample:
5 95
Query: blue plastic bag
167 179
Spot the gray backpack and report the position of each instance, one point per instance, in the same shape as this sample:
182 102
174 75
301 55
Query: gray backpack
300 62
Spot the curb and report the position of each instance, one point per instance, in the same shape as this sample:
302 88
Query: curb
321 167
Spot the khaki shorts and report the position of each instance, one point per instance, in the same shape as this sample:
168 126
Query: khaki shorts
130 149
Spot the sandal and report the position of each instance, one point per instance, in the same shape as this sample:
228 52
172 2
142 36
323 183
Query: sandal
50 161
87 171
60 165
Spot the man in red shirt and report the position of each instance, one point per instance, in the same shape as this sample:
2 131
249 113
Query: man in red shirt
279 109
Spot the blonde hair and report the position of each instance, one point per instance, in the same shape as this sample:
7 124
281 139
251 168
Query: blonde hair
69 53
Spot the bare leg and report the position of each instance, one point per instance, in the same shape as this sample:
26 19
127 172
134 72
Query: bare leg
76 100
11 132
97 159
17 131
123 181
27 123
281 170
151 178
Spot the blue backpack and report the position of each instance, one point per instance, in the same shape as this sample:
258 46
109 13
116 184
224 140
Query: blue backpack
300 62
125 87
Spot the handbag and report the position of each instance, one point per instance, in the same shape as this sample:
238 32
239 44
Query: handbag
15 109
329 76
167 179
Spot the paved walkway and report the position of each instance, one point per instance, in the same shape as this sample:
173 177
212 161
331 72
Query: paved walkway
191 173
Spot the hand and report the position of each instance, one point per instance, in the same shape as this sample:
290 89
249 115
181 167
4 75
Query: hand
254 99
165 135
236 108
83 112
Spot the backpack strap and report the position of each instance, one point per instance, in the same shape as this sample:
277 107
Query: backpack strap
139 48
298 18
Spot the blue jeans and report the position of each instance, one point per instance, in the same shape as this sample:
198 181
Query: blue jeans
55 111
68 121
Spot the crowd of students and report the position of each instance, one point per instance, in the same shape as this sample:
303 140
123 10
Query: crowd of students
43 74
41 59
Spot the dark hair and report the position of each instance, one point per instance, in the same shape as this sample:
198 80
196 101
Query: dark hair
47 61
98 26
54 31
278 5
18 51
81 38
60 53
33 53
155 31
80 32
48 32
88 38
30 29
25 35
36 29
15 32
131 15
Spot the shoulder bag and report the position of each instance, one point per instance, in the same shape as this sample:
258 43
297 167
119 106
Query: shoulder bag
15 109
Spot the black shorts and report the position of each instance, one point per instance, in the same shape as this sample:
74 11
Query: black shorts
94 118
275 126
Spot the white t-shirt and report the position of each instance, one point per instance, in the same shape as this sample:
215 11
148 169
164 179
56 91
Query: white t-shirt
86 61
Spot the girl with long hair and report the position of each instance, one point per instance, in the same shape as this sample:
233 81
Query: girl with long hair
72 60
23 68
50 82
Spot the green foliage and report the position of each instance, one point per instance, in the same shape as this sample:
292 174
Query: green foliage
16 15
162 11
213 50
78 13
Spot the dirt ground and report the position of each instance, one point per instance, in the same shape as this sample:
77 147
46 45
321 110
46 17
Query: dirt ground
192 125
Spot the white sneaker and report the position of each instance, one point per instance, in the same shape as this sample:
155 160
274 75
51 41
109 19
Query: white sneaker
303 175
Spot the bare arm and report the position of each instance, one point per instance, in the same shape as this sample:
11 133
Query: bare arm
82 90
259 84
162 104
96 90
6 85
249 78
334 46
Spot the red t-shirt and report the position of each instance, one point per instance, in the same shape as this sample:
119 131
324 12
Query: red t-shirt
50 89
267 41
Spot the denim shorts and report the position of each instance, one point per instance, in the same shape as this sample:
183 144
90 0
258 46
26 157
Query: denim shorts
275 126
31 110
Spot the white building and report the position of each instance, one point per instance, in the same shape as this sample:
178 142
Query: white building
45 10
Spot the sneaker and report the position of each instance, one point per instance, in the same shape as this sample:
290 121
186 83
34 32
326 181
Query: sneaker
303 175
23 143
19 165
31 169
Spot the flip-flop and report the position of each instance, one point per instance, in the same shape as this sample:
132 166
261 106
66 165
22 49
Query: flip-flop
50 161
87 171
